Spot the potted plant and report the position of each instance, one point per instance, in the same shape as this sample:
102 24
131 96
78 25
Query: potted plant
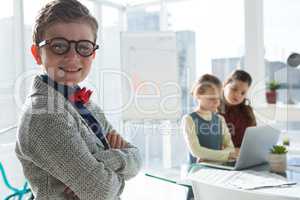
286 141
277 158
271 94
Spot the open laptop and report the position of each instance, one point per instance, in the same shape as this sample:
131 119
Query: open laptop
254 150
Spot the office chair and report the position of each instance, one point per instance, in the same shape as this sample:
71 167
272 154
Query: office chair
7 157
20 193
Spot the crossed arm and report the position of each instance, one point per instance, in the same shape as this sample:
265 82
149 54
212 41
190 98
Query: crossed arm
63 154
117 143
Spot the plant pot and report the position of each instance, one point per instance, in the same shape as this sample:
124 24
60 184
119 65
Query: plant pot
277 163
271 96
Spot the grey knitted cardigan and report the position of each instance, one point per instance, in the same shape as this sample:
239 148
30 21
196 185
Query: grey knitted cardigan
58 149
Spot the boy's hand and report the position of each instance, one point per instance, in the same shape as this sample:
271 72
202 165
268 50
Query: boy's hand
116 141
69 194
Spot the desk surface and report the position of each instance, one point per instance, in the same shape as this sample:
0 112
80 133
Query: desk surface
171 175
177 175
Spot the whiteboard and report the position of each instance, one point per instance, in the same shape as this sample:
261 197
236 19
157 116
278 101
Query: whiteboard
150 86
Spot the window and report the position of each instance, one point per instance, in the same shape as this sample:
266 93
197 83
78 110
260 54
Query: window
108 65
6 39
219 29
8 68
281 38
110 16
6 9
281 29
143 18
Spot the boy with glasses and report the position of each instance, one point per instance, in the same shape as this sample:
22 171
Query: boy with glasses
66 146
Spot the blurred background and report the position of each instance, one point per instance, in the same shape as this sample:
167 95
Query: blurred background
151 51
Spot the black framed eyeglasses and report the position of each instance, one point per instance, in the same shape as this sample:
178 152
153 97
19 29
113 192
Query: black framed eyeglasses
61 46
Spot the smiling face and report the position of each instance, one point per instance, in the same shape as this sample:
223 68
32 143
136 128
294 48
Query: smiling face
69 68
235 92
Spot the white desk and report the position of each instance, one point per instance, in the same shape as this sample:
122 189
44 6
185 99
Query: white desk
211 192
171 175
207 191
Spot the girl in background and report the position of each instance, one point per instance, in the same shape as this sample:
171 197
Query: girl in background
205 131
235 107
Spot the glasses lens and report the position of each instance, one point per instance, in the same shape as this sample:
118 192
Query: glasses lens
85 48
59 46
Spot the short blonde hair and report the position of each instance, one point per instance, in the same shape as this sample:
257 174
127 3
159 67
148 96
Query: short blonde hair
205 82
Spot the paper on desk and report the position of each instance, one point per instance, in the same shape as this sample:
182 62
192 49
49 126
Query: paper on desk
247 180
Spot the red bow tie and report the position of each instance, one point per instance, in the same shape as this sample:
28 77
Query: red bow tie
82 95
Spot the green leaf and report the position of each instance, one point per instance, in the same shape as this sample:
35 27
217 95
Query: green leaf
273 85
278 149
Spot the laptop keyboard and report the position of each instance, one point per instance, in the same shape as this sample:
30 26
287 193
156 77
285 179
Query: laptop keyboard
229 163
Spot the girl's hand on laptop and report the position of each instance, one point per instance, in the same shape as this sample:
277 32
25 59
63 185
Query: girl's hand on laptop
233 155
